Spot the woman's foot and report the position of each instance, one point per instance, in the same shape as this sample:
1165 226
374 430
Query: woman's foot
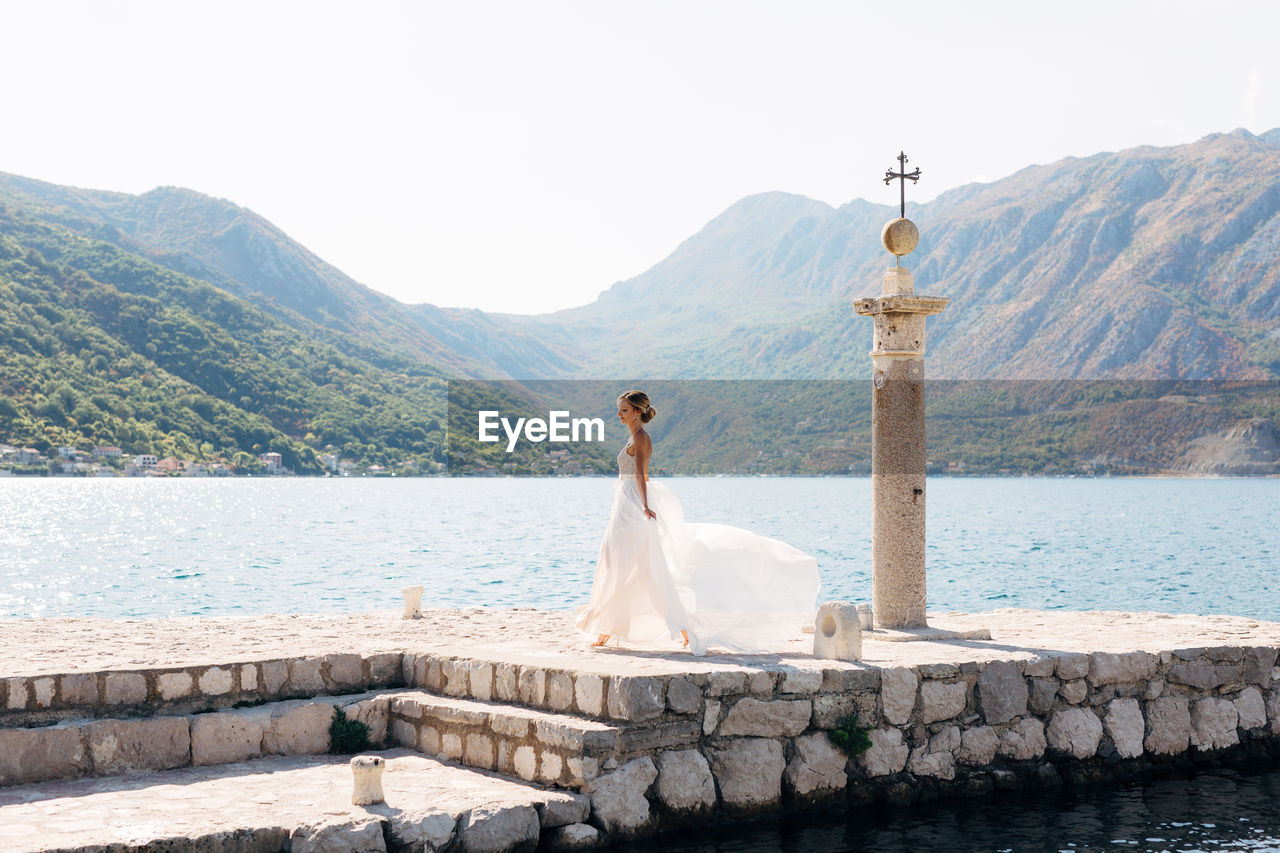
684 635
602 640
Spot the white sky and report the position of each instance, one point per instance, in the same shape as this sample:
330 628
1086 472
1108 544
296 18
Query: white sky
523 156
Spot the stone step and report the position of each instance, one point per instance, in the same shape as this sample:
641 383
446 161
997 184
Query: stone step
298 803
555 749
80 747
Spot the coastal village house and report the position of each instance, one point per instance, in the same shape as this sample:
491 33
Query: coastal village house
274 463
107 453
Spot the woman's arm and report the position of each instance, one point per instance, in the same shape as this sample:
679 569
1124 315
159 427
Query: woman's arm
644 447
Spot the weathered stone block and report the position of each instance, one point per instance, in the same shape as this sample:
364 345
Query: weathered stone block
19 694
248 677
434 676
685 785
525 762
174 685
1213 724
762 718
1204 676
845 680
457 676
898 694
837 633
978 746
532 682
941 700
299 727
478 751
1001 692
939 765
749 772
711 717
1258 663
509 725
384 669
1273 710
345 834
451 745
345 670
124 688
43 689
560 691
1024 740
563 808
1168 725
938 670
683 696
215 681
947 740
761 682
801 681
498 828
1074 692
635 699
1072 666
1251 709
618 800
34 755
79 689
275 674
506 682
588 694
304 677
887 754
426 831
575 836
815 768
1155 689
1075 732
1043 692
1040 666
429 741
726 682
127 746
229 736
1123 668
1124 725
405 733
480 680
374 713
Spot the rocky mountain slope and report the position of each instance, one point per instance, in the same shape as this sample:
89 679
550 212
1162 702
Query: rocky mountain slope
1146 263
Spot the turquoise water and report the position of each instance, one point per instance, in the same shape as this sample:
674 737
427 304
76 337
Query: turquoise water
133 548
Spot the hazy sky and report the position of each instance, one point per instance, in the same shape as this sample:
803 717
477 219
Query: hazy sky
523 156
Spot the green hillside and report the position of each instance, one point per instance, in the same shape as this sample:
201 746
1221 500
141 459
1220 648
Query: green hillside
103 347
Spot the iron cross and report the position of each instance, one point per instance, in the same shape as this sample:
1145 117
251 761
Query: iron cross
903 175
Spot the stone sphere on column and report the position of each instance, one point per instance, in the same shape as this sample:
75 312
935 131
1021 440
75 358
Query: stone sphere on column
900 236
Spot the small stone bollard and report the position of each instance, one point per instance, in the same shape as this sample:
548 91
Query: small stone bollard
412 602
367 770
864 617
837 632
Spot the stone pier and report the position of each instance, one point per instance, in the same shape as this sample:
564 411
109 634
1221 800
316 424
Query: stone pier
502 731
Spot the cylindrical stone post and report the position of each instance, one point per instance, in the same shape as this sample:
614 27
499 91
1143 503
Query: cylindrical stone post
898 450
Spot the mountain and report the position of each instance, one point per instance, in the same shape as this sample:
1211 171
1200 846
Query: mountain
1147 263
238 251
100 346
178 323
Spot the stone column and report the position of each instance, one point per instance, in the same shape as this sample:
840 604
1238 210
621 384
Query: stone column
898 448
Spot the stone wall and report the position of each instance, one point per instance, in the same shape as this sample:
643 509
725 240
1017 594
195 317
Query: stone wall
756 739
43 699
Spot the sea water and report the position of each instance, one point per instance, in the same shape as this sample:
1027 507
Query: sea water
136 548
169 547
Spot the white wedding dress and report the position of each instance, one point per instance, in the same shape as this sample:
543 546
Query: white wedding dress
726 586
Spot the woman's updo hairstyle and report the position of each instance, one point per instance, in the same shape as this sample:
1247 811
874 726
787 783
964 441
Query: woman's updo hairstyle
640 401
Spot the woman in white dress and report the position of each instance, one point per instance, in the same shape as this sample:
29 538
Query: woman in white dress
709 584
